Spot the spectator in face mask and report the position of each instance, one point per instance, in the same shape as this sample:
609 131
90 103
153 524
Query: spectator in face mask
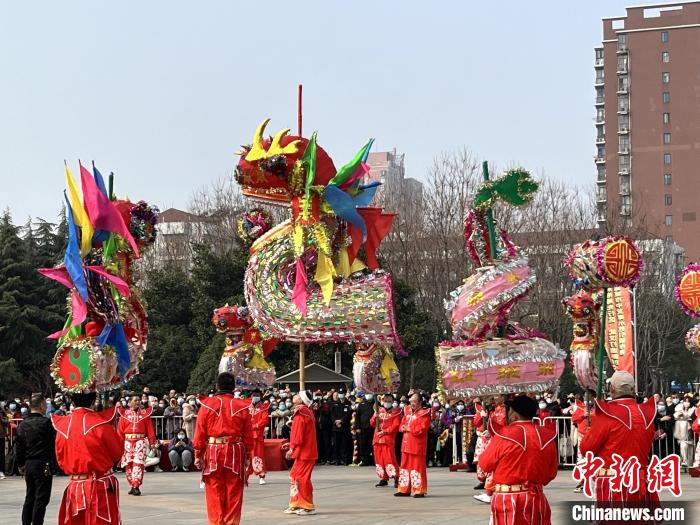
172 416
663 425
180 451
684 415
189 415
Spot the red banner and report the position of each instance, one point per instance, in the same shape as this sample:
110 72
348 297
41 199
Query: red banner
619 333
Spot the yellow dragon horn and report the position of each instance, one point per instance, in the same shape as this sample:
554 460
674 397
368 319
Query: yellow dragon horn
257 150
277 149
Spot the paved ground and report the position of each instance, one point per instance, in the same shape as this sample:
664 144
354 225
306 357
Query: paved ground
343 495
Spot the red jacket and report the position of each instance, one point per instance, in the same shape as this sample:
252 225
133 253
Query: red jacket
260 417
520 453
138 422
621 426
223 415
498 415
389 421
302 441
415 431
86 441
578 418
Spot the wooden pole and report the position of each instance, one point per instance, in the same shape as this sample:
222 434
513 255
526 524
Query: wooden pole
299 112
601 343
302 364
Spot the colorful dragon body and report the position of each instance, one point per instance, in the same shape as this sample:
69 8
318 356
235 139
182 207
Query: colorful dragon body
246 348
491 355
105 335
585 313
347 300
315 278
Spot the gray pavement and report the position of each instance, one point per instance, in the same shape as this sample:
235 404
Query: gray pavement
343 495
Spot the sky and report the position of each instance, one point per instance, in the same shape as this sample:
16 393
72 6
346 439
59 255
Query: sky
163 93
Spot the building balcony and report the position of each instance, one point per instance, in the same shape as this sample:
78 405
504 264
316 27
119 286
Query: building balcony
623 90
599 160
600 140
623 131
622 69
624 191
623 110
599 121
599 82
599 62
622 49
625 210
623 150
625 170
599 101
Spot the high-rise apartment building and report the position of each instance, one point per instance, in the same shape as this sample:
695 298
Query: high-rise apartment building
388 167
647 100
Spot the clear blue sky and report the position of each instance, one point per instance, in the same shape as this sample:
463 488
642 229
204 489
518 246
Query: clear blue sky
163 92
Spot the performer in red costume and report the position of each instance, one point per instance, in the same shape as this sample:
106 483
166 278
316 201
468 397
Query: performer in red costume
481 423
303 449
413 478
260 416
136 431
522 458
580 416
223 445
384 441
87 446
624 427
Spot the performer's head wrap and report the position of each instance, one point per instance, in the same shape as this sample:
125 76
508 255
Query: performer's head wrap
306 397
524 405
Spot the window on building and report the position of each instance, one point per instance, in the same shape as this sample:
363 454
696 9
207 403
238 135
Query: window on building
622 63
623 123
622 84
669 239
601 152
601 173
624 143
665 57
667 179
669 220
623 103
665 77
664 36
667 138
667 118
624 182
668 200
624 162
666 97
667 158
622 38
599 54
600 114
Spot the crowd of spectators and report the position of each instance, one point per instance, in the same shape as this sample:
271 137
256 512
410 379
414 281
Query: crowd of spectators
343 423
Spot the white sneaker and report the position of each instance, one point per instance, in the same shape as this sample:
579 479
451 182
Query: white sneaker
305 512
483 498
262 481
2 475
290 510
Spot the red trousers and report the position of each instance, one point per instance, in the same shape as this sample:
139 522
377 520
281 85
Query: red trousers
258 462
413 477
301 491
385 461
520 508
603 494
224 494
134 460
94 501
